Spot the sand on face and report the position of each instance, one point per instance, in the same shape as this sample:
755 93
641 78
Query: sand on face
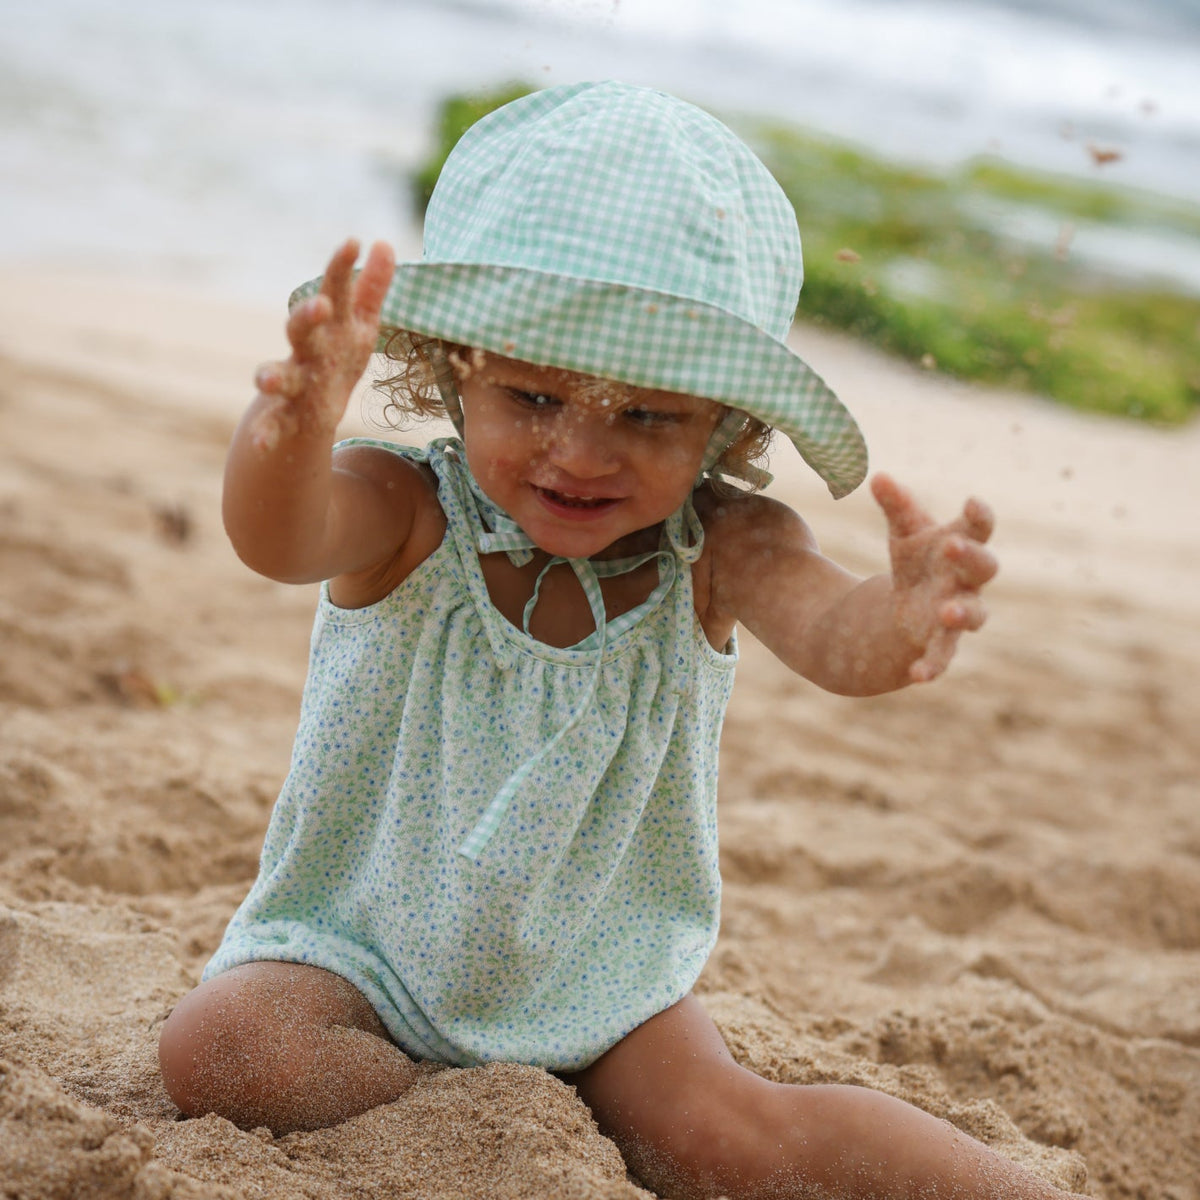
983 895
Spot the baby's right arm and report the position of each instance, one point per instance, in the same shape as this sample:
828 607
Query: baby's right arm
292 513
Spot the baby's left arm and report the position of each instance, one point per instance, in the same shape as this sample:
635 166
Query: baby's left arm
848 635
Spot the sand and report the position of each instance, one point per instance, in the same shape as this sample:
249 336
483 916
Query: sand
982 895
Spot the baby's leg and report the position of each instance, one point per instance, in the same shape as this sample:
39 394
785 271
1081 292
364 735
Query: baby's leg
281 1045
693 1123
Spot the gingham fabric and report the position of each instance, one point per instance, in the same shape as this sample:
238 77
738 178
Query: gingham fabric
617 231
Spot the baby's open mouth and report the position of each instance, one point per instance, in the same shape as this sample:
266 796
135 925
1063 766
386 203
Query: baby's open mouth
575 501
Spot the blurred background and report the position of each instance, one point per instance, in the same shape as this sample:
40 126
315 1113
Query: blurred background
1030 169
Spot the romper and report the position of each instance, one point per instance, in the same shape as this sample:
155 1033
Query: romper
509 848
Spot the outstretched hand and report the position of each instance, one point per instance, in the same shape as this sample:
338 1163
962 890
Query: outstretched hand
937 573
332 335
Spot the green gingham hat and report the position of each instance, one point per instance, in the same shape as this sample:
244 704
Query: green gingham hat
619 232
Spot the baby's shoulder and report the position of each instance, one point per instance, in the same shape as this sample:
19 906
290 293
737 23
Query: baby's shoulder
742 525
746 538
402 471
397 493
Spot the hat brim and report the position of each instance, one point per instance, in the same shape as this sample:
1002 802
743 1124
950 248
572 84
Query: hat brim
639 336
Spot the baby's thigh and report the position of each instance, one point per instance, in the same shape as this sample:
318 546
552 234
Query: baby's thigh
249 1034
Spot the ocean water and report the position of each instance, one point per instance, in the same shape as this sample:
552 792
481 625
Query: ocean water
229 144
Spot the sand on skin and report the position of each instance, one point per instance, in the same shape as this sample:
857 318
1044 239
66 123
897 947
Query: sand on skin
983 895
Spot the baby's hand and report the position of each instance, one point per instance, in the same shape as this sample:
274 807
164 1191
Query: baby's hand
937 573
332 335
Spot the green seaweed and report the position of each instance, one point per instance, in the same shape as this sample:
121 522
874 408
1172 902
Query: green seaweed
906 258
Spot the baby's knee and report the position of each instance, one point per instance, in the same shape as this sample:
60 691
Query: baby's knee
282 1045
216 1049
239 1043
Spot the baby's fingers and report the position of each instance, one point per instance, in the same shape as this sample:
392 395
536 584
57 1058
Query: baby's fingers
963 614
972 563
307 317
977 520
937 657
371 285
904 515
338 281
285 379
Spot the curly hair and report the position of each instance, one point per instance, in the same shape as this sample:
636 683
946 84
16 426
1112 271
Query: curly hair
413 393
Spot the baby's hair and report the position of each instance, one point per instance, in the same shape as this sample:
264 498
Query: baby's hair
413 393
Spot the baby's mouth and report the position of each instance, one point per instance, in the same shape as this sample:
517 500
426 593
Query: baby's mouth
583 502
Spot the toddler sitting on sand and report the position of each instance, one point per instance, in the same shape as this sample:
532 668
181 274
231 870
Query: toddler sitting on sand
497 840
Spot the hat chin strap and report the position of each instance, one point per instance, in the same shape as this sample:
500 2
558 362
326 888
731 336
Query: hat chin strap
728 430
447 385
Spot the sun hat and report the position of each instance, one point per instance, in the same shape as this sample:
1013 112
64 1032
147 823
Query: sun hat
618 231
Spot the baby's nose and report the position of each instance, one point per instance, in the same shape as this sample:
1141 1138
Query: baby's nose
583 447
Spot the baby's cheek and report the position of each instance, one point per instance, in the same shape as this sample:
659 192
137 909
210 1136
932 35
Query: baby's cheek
495 471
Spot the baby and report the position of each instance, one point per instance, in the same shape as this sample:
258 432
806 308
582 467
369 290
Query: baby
497 840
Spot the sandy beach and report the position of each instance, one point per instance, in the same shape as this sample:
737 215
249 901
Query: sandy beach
982 895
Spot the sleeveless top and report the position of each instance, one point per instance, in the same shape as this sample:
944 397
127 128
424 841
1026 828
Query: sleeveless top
509 848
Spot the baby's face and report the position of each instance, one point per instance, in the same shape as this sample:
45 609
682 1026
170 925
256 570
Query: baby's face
579 463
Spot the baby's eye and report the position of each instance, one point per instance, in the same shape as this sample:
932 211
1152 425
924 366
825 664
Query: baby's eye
533 399
649 417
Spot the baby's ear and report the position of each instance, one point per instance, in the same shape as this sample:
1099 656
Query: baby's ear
739 462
